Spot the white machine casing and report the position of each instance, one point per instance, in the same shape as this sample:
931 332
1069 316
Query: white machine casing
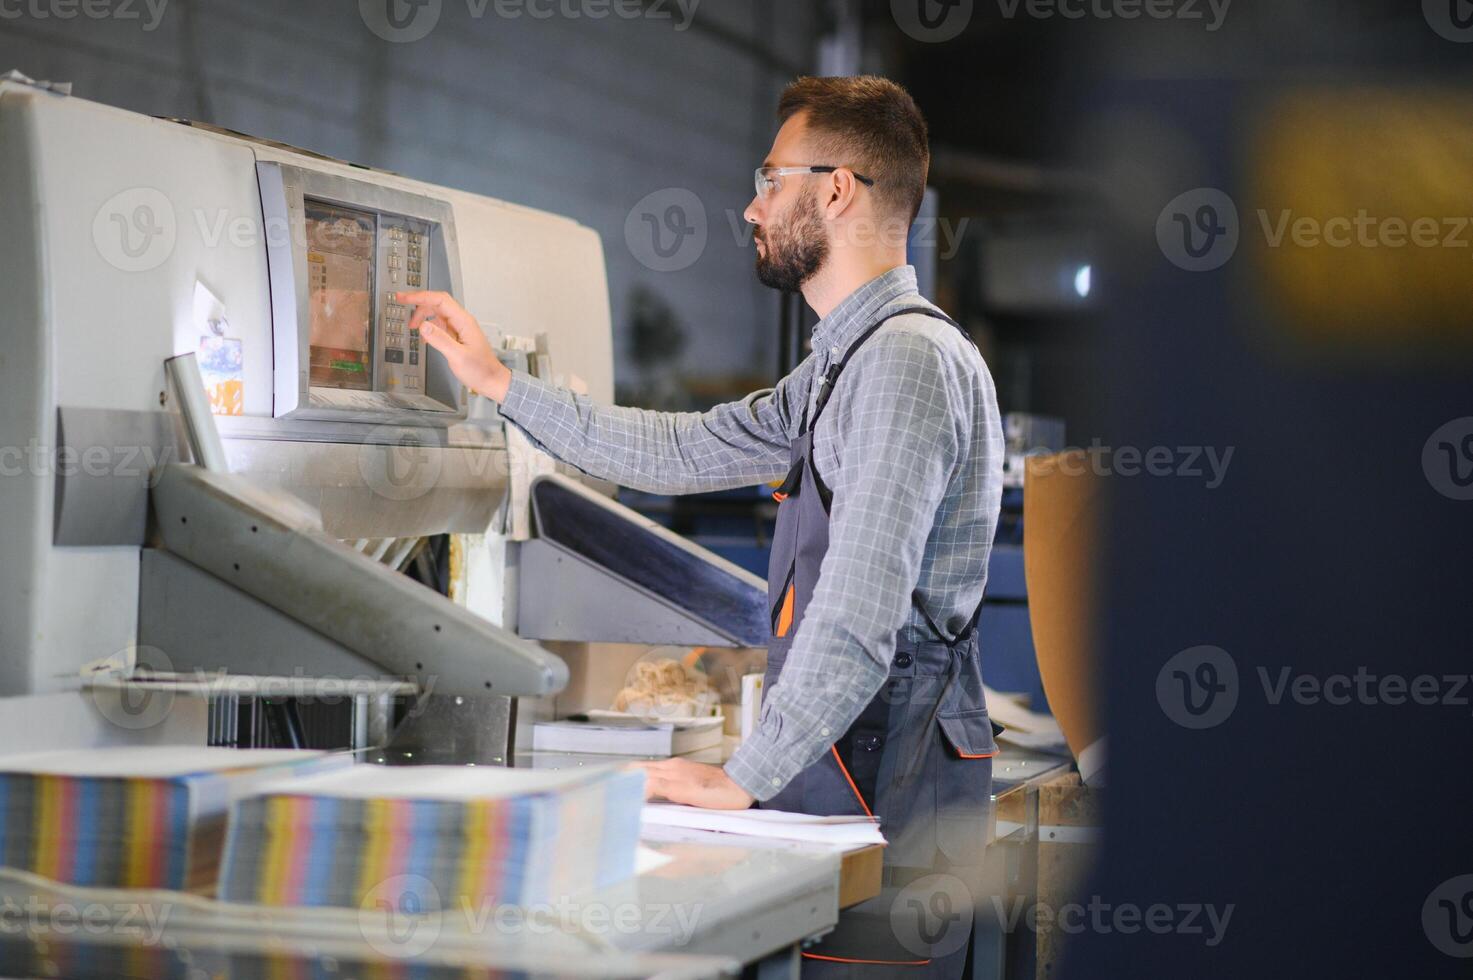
112 221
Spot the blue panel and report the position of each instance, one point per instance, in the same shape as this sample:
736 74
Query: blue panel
634 552
744 555
1008 659
1005 578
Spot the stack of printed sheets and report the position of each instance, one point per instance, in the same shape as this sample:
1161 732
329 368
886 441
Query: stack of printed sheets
132 817
420 837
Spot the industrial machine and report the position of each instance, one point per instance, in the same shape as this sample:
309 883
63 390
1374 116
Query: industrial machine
135 561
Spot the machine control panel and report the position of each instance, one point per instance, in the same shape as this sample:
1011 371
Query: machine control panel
356 244
402 247
360 337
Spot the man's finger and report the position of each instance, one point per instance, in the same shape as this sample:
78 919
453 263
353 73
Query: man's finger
428 302
440 338
439 300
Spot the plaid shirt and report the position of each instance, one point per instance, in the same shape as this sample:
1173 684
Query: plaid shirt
910 444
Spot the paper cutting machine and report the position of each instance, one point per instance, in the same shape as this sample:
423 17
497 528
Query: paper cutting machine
126 241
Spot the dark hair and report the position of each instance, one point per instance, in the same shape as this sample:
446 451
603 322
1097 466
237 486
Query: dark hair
870 125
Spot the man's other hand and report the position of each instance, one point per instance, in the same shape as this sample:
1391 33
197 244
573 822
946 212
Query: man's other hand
693 783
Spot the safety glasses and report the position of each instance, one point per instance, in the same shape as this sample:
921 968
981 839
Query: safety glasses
769 180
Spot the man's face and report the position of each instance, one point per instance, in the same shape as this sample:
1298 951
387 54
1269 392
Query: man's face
790 236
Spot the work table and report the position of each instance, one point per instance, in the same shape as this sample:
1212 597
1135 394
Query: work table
718 902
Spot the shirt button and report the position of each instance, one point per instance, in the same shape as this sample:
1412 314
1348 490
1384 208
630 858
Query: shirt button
776 781
902 660
824 730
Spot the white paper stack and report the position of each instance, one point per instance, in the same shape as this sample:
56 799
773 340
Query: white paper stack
842 833
610 733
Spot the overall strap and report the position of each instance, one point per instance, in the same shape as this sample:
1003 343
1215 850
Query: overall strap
826 389
967 631
826 383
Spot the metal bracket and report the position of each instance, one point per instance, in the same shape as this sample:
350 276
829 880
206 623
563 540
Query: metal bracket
1062 834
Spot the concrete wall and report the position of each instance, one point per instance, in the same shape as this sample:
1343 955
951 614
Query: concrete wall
542 102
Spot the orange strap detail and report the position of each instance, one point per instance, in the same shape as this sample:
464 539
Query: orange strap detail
779 496
980 755
785 615
845 959
845 770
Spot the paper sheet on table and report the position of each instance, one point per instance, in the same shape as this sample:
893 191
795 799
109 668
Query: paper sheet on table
840 832
647 859
1022 727
1038 741
463 783
157 762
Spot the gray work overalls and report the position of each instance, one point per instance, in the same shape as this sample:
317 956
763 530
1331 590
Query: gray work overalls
918 756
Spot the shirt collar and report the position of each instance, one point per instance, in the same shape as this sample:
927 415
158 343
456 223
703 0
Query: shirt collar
860 308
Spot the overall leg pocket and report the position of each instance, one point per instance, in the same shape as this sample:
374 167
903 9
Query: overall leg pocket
964 789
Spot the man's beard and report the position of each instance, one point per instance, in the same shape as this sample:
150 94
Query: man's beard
795 251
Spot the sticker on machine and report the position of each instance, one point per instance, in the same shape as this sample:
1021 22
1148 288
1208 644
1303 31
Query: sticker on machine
221 359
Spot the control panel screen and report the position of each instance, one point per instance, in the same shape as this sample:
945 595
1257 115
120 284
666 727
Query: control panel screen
340 277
